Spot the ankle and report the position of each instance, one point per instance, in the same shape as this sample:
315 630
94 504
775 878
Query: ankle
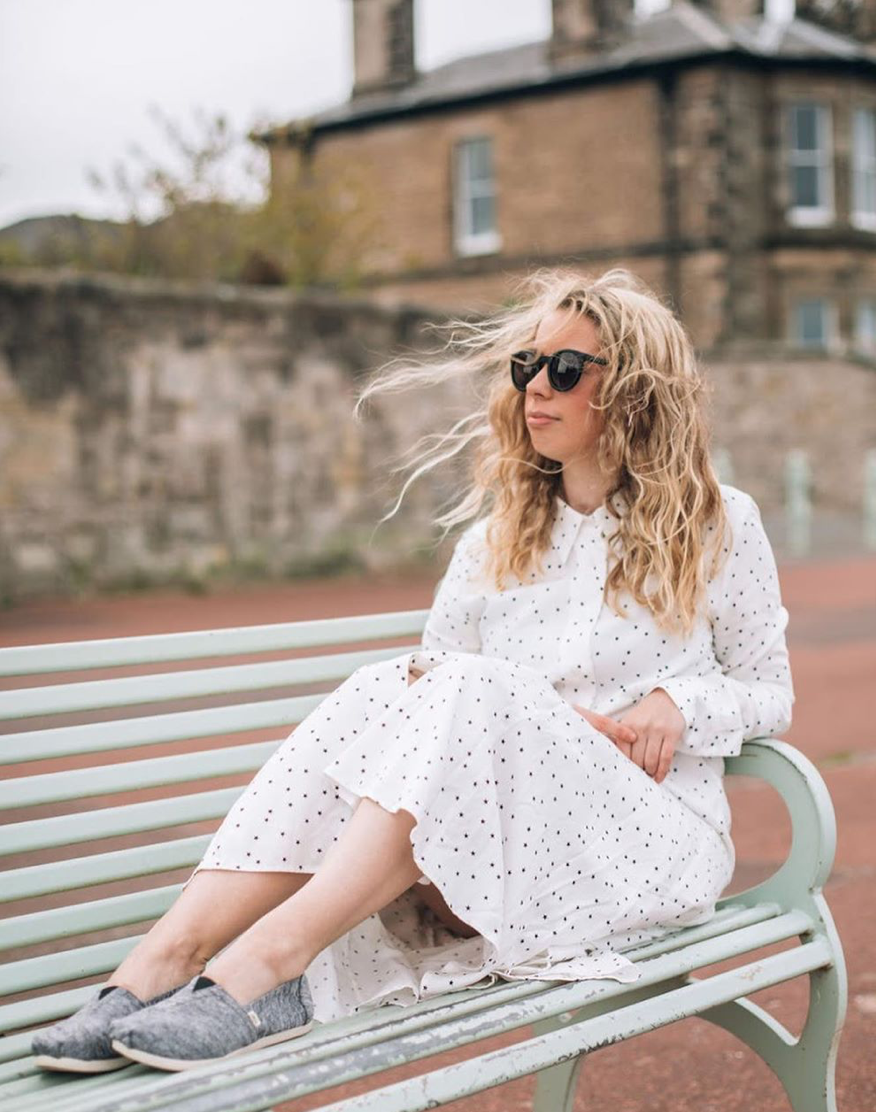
247 972
151 970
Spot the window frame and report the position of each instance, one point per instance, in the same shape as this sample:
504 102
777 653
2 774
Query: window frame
825 212
863 163
868 301
466 241
830 318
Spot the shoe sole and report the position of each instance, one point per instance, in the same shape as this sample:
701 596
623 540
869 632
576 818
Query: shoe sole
80 1065
162 1063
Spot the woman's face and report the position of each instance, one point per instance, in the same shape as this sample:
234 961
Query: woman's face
576 427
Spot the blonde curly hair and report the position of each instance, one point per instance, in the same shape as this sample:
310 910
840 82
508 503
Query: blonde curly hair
654 439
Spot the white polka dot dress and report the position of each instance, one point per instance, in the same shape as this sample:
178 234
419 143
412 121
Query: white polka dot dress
537 830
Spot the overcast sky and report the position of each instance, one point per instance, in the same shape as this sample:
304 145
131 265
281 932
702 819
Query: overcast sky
77 77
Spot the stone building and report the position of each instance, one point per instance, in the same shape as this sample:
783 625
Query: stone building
724 152
152 432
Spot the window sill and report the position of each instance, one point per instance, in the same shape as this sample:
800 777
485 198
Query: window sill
480 245
810 217
864 221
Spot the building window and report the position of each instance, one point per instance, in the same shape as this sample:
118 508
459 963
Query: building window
864 168
810 163
813 323
865 326
474 204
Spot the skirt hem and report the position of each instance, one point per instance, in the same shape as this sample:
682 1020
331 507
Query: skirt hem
596 962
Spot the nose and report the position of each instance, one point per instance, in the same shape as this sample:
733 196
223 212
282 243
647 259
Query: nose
540 383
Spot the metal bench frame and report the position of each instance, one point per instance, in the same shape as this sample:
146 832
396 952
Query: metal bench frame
568 1020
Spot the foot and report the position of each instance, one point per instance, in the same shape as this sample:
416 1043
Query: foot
81 1042
245 973
207 1024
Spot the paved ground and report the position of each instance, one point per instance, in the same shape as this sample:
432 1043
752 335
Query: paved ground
689 1066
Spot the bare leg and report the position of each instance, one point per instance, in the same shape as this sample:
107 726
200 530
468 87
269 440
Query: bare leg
369 866
214 908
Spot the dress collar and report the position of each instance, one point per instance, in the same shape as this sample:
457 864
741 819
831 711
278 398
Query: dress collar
569 523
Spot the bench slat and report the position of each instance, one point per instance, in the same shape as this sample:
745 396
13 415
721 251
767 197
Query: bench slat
65 922
438 1087
109 822
66 965
191 683
113 652
80 783
100 868
152 729
693 956
137 907
273 1075
103 957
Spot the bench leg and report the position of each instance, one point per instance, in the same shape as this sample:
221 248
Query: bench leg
805 1065
555 1086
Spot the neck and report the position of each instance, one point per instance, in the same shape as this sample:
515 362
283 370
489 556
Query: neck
584 489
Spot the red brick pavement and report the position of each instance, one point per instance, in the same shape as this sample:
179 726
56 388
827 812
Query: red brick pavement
688 1066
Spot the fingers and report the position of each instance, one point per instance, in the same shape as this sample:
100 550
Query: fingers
617 731
653 747
665 760
653 754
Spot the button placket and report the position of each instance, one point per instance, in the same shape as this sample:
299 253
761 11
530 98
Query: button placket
587 567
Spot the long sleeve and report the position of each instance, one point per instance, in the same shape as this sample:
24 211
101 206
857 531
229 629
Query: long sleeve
452 624
753 693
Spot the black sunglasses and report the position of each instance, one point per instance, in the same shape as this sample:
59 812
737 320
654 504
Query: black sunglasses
565 367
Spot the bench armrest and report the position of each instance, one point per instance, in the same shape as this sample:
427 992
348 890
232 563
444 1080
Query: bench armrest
813 822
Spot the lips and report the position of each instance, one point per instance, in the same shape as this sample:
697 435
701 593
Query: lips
537 414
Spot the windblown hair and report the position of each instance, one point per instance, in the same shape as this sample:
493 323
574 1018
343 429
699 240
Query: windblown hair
654 440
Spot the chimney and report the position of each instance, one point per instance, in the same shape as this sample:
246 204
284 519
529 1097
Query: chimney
855 18
843 16
383 45
866 29
582 27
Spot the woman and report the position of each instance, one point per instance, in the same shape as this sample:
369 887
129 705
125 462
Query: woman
540 785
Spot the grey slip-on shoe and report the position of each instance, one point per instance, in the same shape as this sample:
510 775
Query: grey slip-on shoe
207 1024
81 1042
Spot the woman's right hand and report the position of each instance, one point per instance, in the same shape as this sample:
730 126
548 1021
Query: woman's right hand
624 737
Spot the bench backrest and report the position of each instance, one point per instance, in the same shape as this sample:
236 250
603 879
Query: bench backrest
120 758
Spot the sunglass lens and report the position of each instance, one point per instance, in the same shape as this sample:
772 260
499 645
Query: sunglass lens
567 370
522 368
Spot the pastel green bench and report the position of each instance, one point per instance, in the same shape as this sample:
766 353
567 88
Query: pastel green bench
67 910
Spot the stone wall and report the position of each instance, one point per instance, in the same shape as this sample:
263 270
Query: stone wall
157 433
762 408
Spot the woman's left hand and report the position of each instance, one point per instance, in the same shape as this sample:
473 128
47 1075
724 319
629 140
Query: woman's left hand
659 725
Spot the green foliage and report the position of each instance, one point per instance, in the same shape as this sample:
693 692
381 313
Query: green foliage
197 220
12 254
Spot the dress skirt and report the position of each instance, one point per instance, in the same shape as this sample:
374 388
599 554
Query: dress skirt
538 832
